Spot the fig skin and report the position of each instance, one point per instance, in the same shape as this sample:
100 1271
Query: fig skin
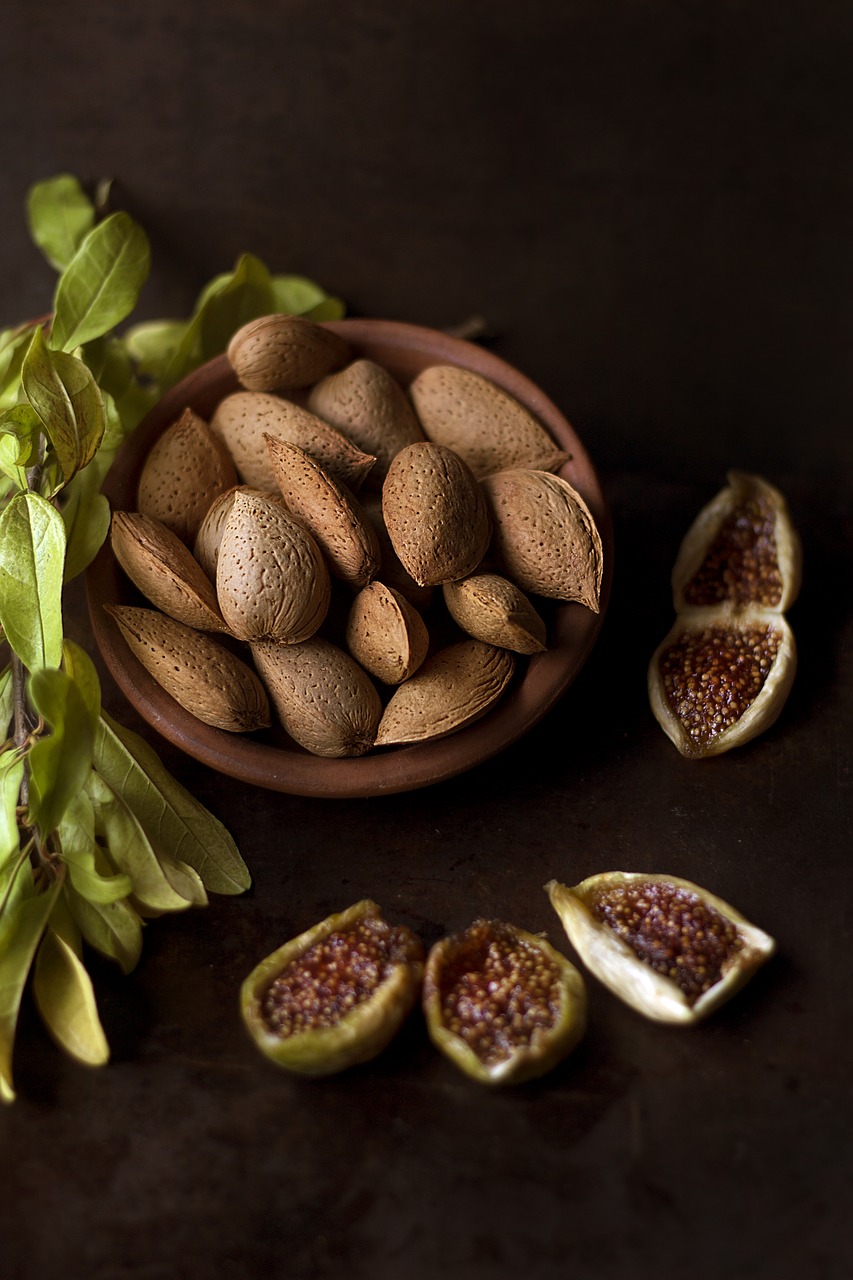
363 1031
764 708
545 1047
632 979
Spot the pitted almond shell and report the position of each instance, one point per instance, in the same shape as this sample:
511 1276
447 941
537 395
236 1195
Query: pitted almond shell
501 1003
365 402
200 673
323 698
741 551
717 681
452 689
633 979
329 510
186 469
391 571
242 420
283 352
161 566
435 514
481 422
209 536
271 578
491 608
545 538
386 634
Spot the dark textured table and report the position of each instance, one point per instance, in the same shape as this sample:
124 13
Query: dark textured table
649 205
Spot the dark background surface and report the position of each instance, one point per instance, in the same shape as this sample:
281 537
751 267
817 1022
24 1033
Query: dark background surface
650 206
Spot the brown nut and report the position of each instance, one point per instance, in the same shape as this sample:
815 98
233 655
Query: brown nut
491 608
451 689
670 949
386 634
185 470
161 566
502 1004
336 995
283 352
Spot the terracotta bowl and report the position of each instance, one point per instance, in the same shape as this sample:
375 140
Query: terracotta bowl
270 759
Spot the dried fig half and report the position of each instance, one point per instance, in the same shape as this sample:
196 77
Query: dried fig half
504 1005
741 551
670 949
335 995
718 680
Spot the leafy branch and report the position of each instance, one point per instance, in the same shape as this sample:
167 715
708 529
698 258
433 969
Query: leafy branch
96 837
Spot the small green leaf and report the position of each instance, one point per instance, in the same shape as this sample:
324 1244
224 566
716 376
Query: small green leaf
86 516
59 214
83 857
183 879
7 703
328 309
152 344
59 764
10 465
101 284
11 776
174 820
243 296
129 848
82 670
22 423
66 1001
32 555
113 928
296 294
68 402
21 928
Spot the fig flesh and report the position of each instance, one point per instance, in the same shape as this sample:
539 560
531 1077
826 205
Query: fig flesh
504 1005
335 995
722 674
668 948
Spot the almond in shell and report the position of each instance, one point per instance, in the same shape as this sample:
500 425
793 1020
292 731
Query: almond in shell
386 634
545 538
366 403
162 567
391 571
323 698
185 470
329 510
243 419
271 578
282 352
209 536
491 608
485 425
435 514
452 689
198 672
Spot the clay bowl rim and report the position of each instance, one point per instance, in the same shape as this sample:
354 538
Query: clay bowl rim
404 349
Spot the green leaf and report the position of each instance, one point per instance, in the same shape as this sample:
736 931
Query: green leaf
183 879
296 294
82 670
21 928
243 296
10 453
7 703
152 344
86 516
174 820
113 928
59 764
32 554
11 776
22 424
101 284
59 214
83 857
66 1001
14 344
328 309
68 401
129 848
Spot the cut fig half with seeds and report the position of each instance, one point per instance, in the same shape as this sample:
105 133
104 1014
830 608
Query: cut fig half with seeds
502 1004
336 995
741 551
715 682
668 948
722 674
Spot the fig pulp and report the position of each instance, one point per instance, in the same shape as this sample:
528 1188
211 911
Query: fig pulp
722 674
501 1003
336 995
670 949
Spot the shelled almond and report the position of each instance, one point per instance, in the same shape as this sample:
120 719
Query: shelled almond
334 597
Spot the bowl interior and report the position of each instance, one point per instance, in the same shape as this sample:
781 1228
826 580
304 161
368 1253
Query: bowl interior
261 759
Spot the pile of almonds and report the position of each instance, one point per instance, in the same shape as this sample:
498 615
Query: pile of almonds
349 558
